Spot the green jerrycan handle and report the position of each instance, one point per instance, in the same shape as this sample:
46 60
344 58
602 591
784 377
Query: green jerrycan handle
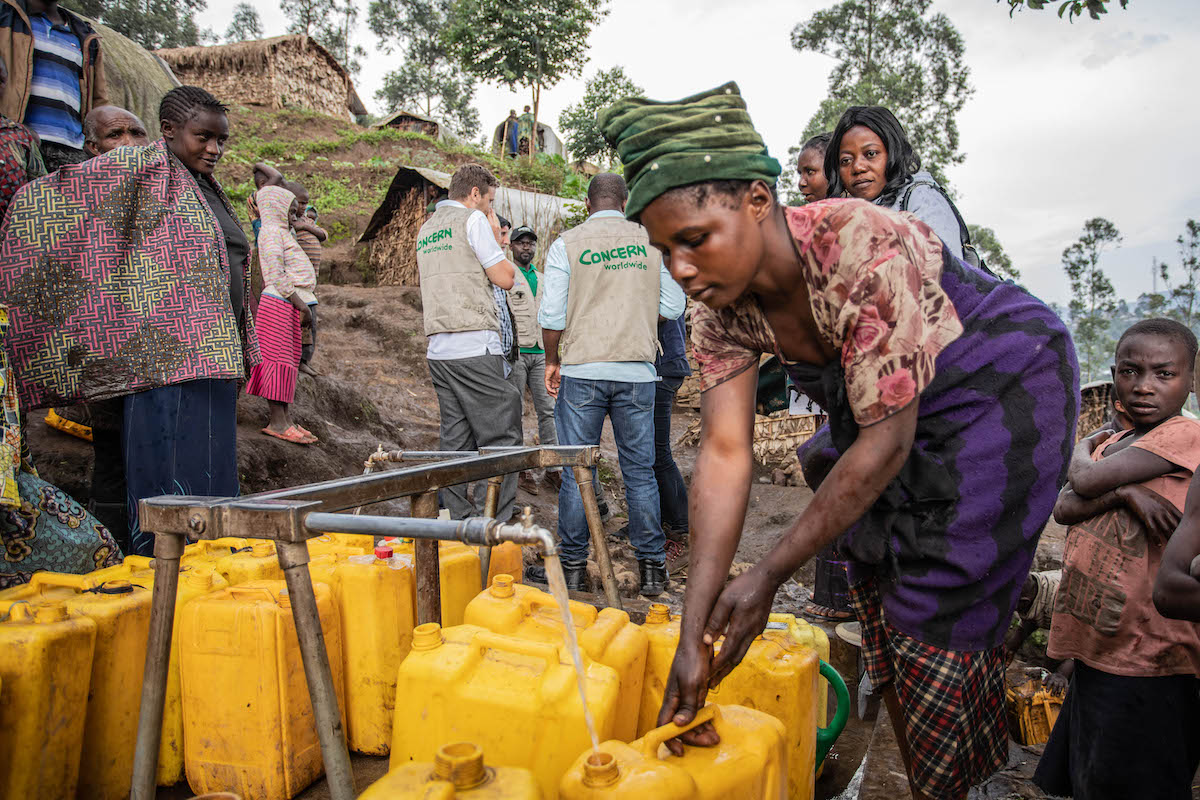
827 736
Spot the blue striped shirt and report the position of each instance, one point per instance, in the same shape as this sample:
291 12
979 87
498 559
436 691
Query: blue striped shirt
55 93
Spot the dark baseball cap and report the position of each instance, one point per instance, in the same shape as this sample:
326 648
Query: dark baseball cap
524 230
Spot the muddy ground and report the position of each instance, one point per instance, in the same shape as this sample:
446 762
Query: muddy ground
374 390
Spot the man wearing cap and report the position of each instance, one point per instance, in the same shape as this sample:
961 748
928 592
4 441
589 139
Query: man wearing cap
605 290
529 370
459 258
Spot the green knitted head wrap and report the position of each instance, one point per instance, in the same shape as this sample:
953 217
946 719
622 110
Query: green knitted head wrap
664 145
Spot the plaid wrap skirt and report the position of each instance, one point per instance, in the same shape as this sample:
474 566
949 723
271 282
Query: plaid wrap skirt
952 701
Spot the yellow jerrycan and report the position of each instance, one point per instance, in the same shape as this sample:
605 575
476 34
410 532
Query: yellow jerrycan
606 636
45 659
258 563
375 600
121 611
785 628
195 579
248 721
750 763
458 772
507 559
458 569
353 544
518 700
778 675
211 550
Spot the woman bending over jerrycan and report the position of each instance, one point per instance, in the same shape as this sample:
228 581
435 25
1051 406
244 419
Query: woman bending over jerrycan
952 404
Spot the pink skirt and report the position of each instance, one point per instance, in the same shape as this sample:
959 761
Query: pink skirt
278 324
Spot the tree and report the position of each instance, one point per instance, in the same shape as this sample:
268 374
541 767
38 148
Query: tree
307 16
335 35
1093 300
1180 302
533 44
1072 8
578 121
429 80
993 254
331 24
437 93
245 24
150 23
892 53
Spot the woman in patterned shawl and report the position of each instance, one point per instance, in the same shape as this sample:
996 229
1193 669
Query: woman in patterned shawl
182 438
952 400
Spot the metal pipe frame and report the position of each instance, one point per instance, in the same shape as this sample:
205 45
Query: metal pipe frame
290 517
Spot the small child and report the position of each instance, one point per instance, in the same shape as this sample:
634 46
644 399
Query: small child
310 236
1035 609
1130 723
282 313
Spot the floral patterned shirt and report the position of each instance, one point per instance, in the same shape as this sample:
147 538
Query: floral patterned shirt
874 287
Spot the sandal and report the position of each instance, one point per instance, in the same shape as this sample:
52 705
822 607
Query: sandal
290 435
825 612
312 437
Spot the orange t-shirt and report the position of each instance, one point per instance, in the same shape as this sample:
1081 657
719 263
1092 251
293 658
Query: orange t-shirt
1103 613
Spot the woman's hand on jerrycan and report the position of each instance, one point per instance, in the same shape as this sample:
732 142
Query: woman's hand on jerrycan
686 690
740 614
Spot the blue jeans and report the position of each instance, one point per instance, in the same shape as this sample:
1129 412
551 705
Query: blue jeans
579 416
672 494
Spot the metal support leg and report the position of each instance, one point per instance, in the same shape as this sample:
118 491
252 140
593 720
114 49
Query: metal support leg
428 566
490 505
583 477
293 557
168 547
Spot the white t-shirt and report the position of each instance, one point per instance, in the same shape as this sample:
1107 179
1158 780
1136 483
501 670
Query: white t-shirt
468 344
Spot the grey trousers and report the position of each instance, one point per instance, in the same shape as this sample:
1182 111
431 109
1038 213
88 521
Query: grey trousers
479 408
530 370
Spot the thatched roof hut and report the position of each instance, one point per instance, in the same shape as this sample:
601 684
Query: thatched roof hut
412 122
137 79
392 232
281 72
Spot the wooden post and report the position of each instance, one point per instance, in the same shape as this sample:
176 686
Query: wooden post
591 510
428 567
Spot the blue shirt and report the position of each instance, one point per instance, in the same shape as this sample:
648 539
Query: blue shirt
556 281
55 100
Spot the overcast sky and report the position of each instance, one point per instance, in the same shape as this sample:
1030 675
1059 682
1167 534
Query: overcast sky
1068 121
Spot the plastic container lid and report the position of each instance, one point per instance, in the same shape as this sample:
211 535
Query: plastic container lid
383 552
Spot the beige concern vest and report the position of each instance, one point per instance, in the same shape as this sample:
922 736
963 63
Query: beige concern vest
524 305
612 299
455 292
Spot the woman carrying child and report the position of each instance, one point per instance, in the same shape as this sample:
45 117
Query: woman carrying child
952 401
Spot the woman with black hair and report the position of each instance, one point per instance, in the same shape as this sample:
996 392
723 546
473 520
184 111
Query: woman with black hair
952 402
810 168
869 157
182 438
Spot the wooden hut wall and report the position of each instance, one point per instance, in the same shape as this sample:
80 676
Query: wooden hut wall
392 254
289 72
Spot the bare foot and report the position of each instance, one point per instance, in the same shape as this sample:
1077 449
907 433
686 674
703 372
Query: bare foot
307 369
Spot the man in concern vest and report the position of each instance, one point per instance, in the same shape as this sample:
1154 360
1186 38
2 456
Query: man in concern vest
460 259
530 366
605 290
